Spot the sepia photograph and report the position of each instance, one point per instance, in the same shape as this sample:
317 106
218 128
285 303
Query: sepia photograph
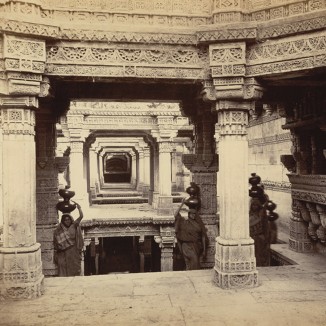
163 162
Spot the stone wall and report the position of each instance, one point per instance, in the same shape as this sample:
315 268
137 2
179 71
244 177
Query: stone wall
267 142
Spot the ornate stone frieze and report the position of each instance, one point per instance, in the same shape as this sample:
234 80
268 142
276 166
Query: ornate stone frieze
159 13
222 34
277 186
285 137
111 108
287 55
303 25
308 187
262 118
138 61
120 122
130 37
309 196
121 229
29 28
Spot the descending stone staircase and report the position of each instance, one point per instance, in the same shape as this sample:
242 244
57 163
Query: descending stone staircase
125 196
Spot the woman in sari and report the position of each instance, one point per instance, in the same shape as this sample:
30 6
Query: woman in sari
68 245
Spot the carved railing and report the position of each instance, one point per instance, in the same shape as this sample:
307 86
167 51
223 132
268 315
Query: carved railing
309 199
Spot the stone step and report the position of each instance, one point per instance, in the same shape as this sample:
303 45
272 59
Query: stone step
120 200
119 194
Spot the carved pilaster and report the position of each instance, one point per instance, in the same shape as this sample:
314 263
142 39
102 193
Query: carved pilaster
20 255
77 176
46 184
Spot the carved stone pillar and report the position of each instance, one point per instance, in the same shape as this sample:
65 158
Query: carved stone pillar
147 168
204 175
235 263
93 172
134 164
174 171
141 169
20 255
155 192
166 241
203 165
165 199
100 163
77 177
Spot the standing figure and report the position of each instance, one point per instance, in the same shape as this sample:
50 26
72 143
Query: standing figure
68 244
191 235
260 232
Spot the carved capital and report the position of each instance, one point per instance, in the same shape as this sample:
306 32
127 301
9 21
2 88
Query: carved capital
17 115
165 147
77 147
233 122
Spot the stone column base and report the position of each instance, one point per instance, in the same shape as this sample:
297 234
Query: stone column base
140 187
150 196
165 206
299 240
93 193
145 191
235 280
235 264
155 199
21 273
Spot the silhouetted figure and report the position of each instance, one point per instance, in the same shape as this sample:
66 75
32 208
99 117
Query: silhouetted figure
190 230
260 232
261 220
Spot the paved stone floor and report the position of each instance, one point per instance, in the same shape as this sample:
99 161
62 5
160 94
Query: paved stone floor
286 295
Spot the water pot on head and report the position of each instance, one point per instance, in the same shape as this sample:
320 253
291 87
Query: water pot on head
193 201
66 206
